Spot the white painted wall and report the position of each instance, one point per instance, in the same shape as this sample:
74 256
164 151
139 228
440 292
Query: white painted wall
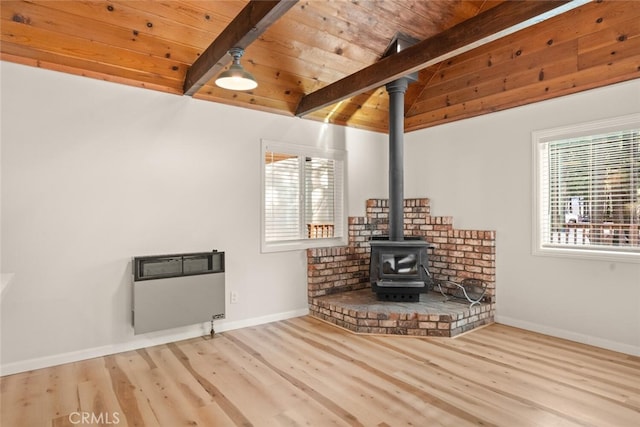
94 173
368 168
480 172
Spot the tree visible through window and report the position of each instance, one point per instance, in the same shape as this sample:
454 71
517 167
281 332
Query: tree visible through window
589 191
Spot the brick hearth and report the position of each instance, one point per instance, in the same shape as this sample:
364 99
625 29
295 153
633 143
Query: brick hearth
360 311
338 278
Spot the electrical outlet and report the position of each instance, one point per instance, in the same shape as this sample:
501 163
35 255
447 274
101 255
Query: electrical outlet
234 297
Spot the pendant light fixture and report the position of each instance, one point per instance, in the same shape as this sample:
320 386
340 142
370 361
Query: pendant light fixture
236 77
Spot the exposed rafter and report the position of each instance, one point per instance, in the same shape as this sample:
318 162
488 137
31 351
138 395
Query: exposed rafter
251 22
500 21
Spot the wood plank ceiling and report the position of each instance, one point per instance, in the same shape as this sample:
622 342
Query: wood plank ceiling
316 43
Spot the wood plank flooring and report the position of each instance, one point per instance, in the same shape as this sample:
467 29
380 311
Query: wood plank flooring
303 372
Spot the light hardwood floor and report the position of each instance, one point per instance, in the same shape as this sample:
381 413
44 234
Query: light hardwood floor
303 372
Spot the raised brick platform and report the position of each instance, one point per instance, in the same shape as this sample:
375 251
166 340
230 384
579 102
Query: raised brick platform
338 278
433 316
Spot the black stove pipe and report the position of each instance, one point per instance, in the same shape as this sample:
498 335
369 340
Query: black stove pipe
396 90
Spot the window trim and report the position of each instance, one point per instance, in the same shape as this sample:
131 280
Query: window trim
307 151
540 137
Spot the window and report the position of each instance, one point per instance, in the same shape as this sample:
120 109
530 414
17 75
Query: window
302 197
588 190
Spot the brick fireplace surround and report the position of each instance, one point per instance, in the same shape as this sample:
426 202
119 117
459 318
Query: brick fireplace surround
338 285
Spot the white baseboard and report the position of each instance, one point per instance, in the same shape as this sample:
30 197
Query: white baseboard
146 340
569 335
224 325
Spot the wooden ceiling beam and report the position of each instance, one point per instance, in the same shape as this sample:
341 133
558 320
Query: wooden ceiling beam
497 22
246 27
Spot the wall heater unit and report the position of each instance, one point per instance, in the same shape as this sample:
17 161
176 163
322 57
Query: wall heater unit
177 290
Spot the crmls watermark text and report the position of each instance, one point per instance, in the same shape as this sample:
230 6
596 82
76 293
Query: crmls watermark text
93 418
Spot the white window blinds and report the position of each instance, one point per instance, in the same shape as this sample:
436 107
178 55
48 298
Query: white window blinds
302 195
282 197
589 189
320 177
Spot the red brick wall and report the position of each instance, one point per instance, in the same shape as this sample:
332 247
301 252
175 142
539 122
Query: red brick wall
458 254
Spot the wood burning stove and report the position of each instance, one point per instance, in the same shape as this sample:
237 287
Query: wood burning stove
398 265
398 269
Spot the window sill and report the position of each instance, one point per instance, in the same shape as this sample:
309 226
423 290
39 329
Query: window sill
589 254
296 245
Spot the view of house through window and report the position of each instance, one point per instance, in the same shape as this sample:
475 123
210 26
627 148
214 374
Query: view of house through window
589 191
302 195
